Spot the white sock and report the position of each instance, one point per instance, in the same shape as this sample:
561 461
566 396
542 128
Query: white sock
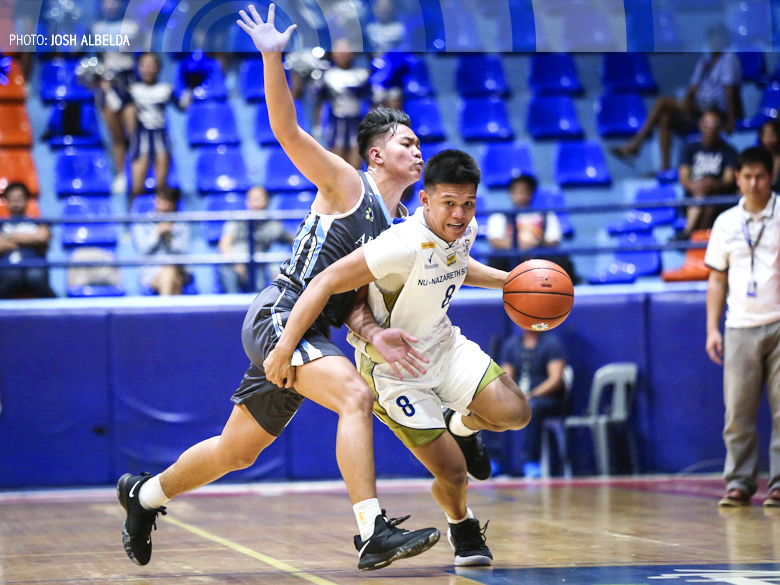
151 495
365 514
458 428
469 515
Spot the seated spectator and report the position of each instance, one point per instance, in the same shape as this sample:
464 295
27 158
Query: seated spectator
234 278
769 138
22 240
533 228
535 361
162 239
151 142
344 86
714 85
706 168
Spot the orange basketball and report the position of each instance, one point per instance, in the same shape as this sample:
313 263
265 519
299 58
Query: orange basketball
538 295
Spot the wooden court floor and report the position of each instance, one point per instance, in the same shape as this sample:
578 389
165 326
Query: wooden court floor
602 532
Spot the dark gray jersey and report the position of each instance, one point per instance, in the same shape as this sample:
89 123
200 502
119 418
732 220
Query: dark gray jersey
323 239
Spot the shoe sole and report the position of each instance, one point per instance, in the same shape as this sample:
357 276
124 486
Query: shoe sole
771 503
478 478
121 490
411 549
729 503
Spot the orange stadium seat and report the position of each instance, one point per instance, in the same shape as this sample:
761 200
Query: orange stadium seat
16 90
15 128
17 165
693 267
33 209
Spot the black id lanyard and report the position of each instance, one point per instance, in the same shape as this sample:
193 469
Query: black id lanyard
751 292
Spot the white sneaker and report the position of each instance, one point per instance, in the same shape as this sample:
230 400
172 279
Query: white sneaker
119 184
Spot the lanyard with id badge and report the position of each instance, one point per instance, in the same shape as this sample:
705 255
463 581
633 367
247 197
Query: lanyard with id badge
751 289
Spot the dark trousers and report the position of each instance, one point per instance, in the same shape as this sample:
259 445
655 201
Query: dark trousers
16 282
531 436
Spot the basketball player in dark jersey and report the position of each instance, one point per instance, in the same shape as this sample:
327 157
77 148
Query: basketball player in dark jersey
350 209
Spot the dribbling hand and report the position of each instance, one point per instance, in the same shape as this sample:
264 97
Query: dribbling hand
264 34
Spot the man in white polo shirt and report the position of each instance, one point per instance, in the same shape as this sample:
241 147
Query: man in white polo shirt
744 254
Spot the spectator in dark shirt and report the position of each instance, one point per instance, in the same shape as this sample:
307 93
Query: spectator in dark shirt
706 168
769 138
535 361
22 240
714 85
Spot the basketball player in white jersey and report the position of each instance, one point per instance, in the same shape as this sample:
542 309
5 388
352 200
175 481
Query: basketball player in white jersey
414 269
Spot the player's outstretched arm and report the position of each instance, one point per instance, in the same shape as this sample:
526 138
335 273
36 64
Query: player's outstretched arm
337 180
484 276
349 273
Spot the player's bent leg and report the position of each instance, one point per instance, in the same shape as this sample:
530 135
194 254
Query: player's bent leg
500 406
333 382
237 447
443 458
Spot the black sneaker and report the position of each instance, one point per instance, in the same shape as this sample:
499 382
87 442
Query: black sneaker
137 530
474 450
389 543
468 541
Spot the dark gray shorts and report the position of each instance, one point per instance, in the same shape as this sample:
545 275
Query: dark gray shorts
273 407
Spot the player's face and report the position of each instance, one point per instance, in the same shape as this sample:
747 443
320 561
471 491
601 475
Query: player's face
754 181
449 209
401 154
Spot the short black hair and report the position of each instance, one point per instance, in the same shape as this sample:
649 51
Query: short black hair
755 155
529 180
451 166
377 123
713 111
18 185
169 194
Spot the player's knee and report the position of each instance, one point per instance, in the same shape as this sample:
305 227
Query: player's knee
452 473
240 459
358 397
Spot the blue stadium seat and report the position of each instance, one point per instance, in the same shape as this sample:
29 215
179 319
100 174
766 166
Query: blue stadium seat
301 201
626 266
87 234
554 73
81 172
554 198
750 22
620 114
753 65
484 119
282 175
502 162
213 87
770 104
553 116
210 124
480 76
426 119
212 230
627 72
221 170
418 83
88 130
263 133
250 80
58 82
580 164
644 220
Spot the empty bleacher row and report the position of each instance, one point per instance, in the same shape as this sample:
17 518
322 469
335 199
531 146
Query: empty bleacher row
483 124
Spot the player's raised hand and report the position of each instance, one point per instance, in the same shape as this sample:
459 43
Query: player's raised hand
393 345
264 34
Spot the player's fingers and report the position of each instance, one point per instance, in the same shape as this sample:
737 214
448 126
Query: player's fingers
418 355
244 27
408 367
245 17
396 370
290 30
290 382
408 337
271 14
255 14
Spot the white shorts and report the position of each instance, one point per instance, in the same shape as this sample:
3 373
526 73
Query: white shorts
412 407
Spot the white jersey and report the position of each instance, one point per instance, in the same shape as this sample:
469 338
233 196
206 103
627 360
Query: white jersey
417 275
